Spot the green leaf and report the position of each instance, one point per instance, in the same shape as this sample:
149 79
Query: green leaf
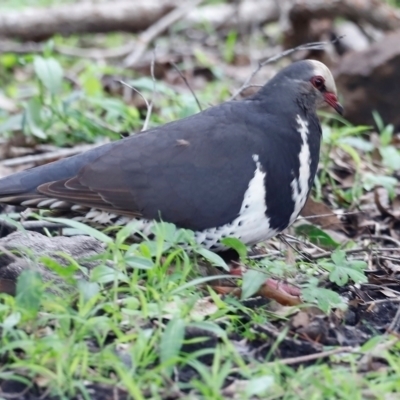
210 327
229 48
213 258
66 272
11 320
342 270
325 299
387 135
370 181
259 386
30 290
237 245
88 289
252 281
358 143
316 236
171 341
50 73
104 274
139 262
351 151
34 118
390 157
339 257
199 281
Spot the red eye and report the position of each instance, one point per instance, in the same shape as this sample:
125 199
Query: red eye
318 82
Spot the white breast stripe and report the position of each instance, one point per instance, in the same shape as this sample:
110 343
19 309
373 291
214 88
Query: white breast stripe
300 186
250 226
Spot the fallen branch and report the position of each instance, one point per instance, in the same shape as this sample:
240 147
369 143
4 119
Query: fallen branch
41 23
375 12
312 357
157 29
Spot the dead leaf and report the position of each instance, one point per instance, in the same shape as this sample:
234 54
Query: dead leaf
321 215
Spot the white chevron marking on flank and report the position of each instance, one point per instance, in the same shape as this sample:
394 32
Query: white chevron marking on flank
300 187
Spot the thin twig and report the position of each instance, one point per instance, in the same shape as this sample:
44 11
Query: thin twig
380 301
150 109
308 46
146 37
312 357
187 84
148 105
45 157
383 238
355 251
283 239
29 225
330 215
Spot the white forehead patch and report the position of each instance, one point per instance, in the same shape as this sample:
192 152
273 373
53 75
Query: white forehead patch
322 70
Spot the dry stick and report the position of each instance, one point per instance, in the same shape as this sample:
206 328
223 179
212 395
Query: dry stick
389 300
355 251
329 215
297 240
187 84
308 46
146 37
382 237
149 111
36 158
312 357
149 106
28 225
283 239
395 322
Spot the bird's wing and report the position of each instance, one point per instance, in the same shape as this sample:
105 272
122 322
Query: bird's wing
193 172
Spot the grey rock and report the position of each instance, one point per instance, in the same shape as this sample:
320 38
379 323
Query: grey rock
370 80
21 250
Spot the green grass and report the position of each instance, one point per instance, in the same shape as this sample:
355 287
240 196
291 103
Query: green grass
128 324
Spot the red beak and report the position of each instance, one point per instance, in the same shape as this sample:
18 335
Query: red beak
332 100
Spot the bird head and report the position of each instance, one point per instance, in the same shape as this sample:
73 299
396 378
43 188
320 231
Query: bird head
322 85
309 82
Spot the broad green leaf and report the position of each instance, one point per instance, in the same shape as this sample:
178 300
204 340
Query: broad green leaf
171 341
88 289
370 181
390 157
213 258
92 85
50 73
339 257
259 386
10 321
30 290
341 270
34 119
139 262
324 298
358 143
237 245
252 281
316 236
